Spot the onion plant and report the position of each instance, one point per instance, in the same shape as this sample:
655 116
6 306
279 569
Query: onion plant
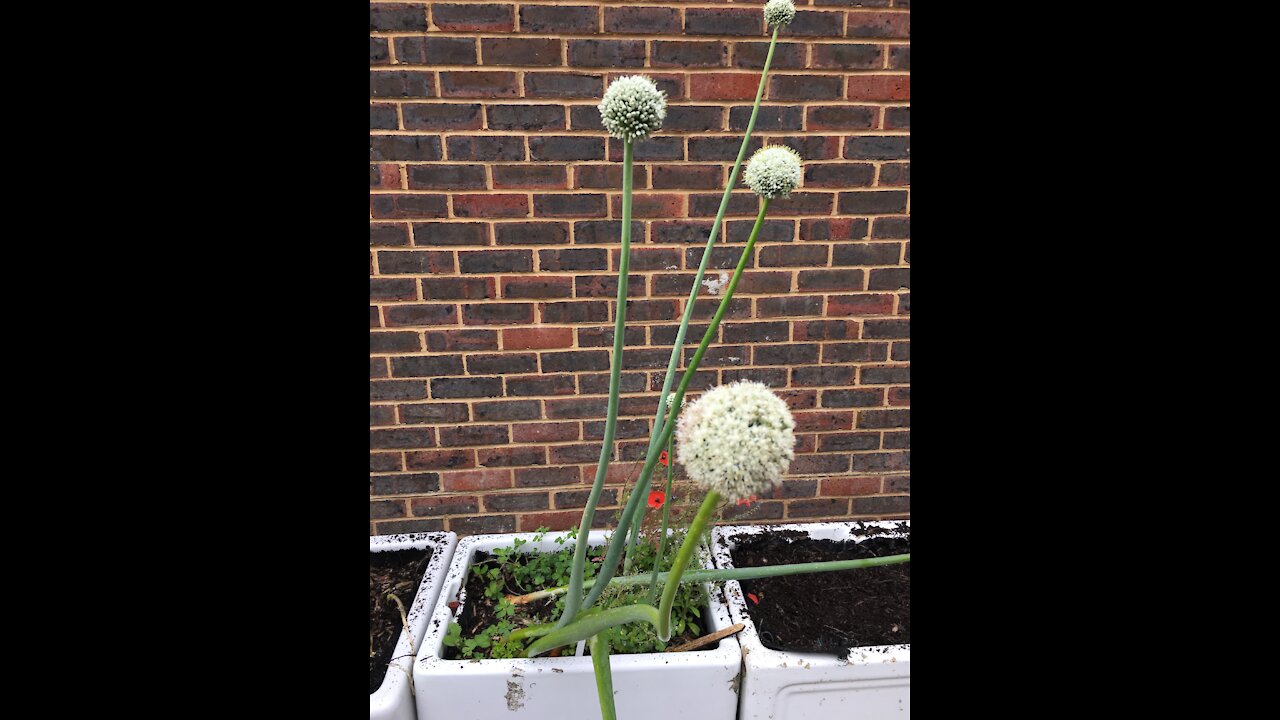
735 441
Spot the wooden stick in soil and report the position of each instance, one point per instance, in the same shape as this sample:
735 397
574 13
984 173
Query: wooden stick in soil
404 620
707 639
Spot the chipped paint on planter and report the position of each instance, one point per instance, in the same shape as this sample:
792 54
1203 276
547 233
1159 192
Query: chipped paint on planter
703 682
394 698
874 683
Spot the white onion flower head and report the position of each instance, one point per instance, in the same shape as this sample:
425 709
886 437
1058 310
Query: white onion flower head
737 439
773 172
684 401
633 108
779 12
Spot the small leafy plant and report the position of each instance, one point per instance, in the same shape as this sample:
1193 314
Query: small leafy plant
509 571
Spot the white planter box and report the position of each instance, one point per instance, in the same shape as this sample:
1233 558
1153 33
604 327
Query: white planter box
699 683
873 684
394 699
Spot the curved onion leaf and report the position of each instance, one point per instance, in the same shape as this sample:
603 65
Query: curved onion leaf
593 624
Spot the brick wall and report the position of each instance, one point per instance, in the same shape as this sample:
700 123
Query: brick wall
494 244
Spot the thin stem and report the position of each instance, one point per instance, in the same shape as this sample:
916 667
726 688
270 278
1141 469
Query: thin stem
666 513
604 677
678 347
573 600
616 543
713 575
691 542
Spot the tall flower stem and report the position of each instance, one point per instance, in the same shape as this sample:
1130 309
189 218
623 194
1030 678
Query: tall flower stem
610 565
604 679
574 597
678 347
682 561
666 514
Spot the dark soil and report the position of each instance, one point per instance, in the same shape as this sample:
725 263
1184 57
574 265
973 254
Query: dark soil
398 572
828 612
479 611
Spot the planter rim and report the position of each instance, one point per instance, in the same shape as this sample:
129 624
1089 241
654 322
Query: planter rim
865 655
430 651
395 685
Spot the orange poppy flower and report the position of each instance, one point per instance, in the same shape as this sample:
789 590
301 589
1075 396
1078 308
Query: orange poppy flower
656 498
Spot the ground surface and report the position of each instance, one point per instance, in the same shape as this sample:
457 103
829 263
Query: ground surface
827 612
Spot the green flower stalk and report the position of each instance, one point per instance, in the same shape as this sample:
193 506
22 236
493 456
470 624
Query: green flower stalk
604 678
631 110
776 179
607 569
778 14
666 515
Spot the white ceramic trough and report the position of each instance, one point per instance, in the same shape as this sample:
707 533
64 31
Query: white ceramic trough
700 684
394 698
874 683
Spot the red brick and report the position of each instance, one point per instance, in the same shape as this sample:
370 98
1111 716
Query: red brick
384 177
545 432
619 473
650 205
642 21
845 305
491 206
824 329
520 51
482 524
511 457
878 25
440 459
848 486
446 505
516 502
823 464
530 522
879 87
530 176
806 443
536 338
479 84
547 476
724 86
471 480
829 507
537 287
824 420
473 17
